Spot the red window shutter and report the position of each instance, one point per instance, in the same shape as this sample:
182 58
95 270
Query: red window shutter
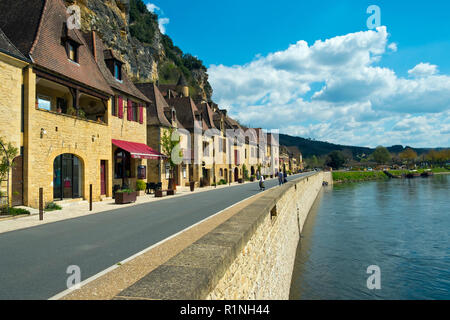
130 110
141 114
120 107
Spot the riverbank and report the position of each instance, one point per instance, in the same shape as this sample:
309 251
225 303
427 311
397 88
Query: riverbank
358 176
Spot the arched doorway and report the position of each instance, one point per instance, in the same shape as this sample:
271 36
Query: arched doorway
67 177
236 174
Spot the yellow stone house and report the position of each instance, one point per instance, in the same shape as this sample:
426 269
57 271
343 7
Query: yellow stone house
69 112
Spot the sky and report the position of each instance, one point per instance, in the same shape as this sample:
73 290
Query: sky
325 70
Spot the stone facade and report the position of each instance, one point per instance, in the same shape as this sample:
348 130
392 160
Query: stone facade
48 135
133 131
263 269
10 104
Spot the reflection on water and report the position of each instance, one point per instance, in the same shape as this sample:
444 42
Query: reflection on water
401 225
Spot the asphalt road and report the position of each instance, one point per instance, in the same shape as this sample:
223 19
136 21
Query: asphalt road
34 261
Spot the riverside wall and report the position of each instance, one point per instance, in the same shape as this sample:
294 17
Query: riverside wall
250 256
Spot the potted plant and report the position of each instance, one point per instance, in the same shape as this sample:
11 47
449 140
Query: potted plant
125 196
140 187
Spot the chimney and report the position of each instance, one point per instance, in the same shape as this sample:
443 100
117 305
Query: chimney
94 46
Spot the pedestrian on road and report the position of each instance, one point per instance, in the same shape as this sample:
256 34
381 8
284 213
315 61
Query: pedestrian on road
280 178
261 183
285 177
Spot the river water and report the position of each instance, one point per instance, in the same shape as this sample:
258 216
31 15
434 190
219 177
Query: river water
401 225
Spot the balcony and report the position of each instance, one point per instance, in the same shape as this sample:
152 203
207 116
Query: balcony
59 99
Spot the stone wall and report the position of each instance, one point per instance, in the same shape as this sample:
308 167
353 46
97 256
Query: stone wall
10 104
263 268
250 256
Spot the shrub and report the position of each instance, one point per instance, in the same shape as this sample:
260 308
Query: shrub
222 181
18 211
51 206
125 191
140 185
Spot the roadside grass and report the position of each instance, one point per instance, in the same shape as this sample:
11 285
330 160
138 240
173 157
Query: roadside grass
356 176
14 211
51 206
434 170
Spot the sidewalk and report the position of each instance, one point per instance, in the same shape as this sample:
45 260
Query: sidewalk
81 208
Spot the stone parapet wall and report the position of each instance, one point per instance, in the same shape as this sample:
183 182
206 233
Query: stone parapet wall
250 256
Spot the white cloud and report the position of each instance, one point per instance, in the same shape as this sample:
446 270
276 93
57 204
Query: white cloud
423 70
393 47
162 22
152 7
335 90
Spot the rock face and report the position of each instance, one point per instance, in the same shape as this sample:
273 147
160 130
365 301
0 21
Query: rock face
127 27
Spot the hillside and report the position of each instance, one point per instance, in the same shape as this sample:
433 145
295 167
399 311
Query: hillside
319 148
133 32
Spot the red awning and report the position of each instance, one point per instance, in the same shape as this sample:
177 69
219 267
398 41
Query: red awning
138 150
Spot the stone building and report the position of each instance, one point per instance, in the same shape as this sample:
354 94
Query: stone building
68 126
160 118
12 64
128 121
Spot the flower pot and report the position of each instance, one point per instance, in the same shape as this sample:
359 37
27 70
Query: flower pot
240 180
124 197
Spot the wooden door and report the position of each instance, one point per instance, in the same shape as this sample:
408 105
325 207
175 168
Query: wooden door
103 177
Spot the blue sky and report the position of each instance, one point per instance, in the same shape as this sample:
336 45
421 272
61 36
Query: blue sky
390 88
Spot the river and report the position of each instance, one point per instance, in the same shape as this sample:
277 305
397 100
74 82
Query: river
401 226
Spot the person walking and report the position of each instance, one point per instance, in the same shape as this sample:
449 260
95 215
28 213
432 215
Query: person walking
280 178
285 177
261 183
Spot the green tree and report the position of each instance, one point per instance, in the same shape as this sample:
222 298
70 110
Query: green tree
381 155
335 159
408 155
245 172
7 153
170 144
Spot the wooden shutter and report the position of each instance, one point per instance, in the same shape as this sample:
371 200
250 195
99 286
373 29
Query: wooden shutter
120 107
141 114
130 110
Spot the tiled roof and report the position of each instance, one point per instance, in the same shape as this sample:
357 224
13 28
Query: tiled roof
126 86
186 110
155 110
19 20
39 25
207 114
7 47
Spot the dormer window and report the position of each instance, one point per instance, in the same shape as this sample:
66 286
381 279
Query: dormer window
72 51
117 71
71 43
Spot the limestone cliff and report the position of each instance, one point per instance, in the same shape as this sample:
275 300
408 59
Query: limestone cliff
129 28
